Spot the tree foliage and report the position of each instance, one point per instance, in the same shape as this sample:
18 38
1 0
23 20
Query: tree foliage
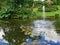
12 8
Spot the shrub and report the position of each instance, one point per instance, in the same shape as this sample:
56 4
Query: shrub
48 7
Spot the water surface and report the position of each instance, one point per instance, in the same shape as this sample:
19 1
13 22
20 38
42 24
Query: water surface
44 28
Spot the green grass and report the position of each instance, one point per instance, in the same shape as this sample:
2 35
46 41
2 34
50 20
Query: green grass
47 13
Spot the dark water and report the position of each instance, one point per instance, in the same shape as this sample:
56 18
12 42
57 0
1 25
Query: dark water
16 31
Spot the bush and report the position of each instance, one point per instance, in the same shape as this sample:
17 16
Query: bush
19 13
48 7
7 12
23 13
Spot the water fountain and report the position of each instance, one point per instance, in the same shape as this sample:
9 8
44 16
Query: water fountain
45 29
43 10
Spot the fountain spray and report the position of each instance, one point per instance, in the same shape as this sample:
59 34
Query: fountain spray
43 10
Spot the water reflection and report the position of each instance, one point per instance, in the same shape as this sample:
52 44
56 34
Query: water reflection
2 40
17 31
1 33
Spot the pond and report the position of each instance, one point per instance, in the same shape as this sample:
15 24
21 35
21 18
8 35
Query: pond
29 32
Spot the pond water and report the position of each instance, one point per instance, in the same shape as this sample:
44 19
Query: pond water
39 32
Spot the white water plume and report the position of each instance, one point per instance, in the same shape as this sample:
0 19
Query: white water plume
44 16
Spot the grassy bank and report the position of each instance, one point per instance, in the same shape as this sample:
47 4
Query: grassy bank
39 13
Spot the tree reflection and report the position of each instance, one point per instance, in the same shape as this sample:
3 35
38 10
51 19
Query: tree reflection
57 25
15 36
13 33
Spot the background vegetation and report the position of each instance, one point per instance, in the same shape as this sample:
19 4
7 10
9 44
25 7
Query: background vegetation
23 9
